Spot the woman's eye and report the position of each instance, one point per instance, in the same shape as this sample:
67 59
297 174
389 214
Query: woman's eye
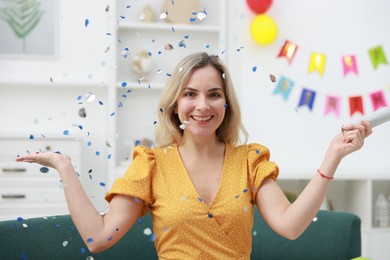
215 95
189 94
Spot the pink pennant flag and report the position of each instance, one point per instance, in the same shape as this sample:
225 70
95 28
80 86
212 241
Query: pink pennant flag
332 105
378 100
349 64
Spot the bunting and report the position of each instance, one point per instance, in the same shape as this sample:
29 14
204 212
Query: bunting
307 98
377 56
356 105
332 105
284 87
349 64
288 51
317 63
378 100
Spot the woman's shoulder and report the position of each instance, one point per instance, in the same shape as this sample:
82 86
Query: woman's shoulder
251 147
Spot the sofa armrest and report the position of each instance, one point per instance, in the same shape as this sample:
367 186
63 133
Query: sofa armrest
334 235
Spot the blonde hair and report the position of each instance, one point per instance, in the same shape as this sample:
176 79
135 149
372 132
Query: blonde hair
168 124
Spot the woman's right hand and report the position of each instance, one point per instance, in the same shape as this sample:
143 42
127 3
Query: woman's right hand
49 159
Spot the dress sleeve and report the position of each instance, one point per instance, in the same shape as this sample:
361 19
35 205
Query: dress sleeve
137 181
260 167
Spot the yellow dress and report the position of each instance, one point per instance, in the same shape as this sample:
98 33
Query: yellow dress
184 227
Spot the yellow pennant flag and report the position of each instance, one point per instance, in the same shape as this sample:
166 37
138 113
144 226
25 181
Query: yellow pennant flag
317 63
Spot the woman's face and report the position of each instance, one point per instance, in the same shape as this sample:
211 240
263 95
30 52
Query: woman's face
201 105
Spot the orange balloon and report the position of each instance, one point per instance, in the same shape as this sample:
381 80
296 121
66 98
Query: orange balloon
264 29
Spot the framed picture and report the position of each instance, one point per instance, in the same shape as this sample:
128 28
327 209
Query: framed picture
29 28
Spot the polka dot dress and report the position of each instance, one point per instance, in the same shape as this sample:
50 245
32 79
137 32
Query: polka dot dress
184 226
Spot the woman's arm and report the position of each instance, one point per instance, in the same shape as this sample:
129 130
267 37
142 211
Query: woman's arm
291 220
98 232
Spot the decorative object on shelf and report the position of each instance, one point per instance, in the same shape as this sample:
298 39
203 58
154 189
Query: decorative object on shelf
147 15
141 63
181 11
382 208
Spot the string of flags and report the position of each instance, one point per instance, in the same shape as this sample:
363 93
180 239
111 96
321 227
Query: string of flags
317 63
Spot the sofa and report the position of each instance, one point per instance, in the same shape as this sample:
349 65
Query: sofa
332 235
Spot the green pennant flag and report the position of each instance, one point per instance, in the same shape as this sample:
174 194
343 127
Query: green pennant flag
377 56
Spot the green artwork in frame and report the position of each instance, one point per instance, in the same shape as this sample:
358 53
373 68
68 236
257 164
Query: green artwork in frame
28 27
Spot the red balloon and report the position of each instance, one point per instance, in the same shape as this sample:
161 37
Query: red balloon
259 6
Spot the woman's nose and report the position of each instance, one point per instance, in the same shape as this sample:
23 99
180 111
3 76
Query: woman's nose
203 103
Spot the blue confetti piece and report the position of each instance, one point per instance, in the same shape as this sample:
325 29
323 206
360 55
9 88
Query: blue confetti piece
20 219
102 184
44 170
149 53
168 75
86 23
97 153
192 19
90 177
152 237
66 132
129 90
23 256
124 84
124 96
89 143
155 122
245 190
257 151
120 104
137 142
79 97
210 215
108 33
90 240
237 196
161 109
173 29
226 105
200 200
207 46
137 200
110 238
109 156
72 228
101 103
58 225
159 52
31 137
186 37
128 6
254 68
122 17
112 114
82 250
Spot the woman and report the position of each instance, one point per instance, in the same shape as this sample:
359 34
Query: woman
200 185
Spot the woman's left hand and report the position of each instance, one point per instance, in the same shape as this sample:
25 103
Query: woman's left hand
350 139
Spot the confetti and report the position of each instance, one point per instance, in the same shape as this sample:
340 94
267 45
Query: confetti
44 170
89 96
31 137
315 219
86 23
254 68
192 19
65 243
20 219
163 15
102 184
107 8
210 215
97 153
109 156
66 132
124 84
147 231
168 47
272 78
201 15
182 44
89 240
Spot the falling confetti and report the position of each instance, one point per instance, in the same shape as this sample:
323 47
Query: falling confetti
201 15
44 170
89 96
66 132
272 78
163 15
168 47
254 68
86 23
147 231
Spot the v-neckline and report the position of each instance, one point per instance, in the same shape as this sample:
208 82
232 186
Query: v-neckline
188 178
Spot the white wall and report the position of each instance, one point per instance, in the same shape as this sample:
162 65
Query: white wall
298 138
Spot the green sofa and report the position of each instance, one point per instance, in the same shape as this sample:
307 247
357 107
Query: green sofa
334 235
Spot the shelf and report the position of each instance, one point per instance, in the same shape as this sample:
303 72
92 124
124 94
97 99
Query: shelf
168 27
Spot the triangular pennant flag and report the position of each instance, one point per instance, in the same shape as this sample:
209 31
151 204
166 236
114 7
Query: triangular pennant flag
307 98
377 56
356 105
332 105
288 50
317 63
284 87
378 100
349 64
